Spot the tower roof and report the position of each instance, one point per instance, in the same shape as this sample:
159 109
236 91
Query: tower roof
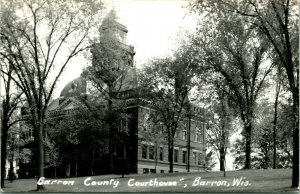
111 21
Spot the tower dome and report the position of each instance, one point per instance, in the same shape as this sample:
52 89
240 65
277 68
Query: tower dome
74 88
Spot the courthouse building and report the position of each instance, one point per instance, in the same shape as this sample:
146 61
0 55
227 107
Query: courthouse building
145 152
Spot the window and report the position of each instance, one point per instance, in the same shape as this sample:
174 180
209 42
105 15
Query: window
151 152
161 153
123 123
152 171
200 136
144 151
175 155
162 171
183 156
145 170
199 158
196 135
28 135
47 158
31 134
195 157
184 135
28 156
146 122
176 134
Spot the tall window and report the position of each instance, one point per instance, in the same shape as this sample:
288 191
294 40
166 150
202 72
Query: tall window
151 152
200 135
183 156
28 135
195 157
146 122
31 134
184 135
196 135
144 151
176 134
161 153
175 155
199 158
123 123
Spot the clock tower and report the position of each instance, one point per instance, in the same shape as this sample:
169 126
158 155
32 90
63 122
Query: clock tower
113 34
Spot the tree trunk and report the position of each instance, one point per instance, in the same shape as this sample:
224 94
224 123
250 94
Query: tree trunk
222 164
55 176
188 144
156 155
275 123
111 146
222 159
3 149
171 150
92 162
124 151
68 170
291 68
223 146
6 107
295 176
76 168
248 129
41 154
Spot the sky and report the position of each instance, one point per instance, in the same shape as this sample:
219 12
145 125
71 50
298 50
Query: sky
153 28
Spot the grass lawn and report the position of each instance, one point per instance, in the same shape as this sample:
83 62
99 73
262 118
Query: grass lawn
251 181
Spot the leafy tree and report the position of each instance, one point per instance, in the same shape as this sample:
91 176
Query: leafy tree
152 131
277 92
78 136
238 151
112 64
219 127
209 161
10 103
263 144
230 49
15 152
165 83
53 154
262 137
277 22
38 36
284 134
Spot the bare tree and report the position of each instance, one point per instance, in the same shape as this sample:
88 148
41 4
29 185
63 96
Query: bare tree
38 36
